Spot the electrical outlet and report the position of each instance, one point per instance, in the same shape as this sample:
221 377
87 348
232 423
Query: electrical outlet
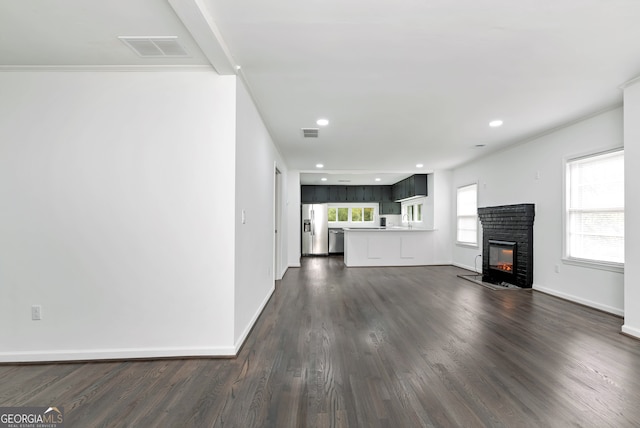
36 312
557 268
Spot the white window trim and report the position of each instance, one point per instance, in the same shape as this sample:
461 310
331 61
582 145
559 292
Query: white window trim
461 243
350 206
412 203
575 261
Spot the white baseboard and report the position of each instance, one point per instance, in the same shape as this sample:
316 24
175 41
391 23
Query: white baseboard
441 263
570 297
631 331
283 273
114 354
251 323
471 268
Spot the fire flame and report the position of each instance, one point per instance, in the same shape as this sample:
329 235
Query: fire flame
506 267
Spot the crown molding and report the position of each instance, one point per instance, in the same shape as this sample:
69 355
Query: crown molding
201 23
628 83
111 68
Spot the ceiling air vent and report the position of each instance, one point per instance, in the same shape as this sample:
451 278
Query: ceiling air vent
310 132
155 47
344 181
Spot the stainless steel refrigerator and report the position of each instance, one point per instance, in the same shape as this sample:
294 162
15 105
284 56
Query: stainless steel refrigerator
315 230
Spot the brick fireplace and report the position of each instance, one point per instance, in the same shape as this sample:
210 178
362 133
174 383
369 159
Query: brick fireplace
507 244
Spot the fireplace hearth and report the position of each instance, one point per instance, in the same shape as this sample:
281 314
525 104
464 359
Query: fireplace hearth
507 244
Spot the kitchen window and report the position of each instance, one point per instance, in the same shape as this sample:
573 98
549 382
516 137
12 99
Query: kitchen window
594 209
467 215
361 214
412 213
338 214
358 214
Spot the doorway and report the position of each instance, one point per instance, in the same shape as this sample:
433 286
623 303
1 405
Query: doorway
277 216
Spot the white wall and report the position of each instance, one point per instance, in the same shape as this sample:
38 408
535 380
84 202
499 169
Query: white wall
632 210
256 159
116 196
443 218
293 219
532 173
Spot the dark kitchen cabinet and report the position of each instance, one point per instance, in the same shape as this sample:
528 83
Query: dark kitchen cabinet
314 194
307 194
390 208
322 194
337 193
372 193
355 194
386 194
410 187
416 185
398 190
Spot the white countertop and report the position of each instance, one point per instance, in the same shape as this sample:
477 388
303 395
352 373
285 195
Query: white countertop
385 229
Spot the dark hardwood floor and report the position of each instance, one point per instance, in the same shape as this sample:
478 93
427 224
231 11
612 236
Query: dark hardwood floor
370 347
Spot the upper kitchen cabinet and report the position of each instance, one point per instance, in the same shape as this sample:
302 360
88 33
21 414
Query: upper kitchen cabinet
397 190
386 194
372 193
337 193
314 194
412 187
355 193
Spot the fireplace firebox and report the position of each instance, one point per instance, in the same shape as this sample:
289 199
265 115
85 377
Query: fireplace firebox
502 260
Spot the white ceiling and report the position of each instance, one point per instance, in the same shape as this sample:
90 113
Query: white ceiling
405 82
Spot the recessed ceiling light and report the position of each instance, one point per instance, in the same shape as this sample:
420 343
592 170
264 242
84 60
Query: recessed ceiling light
419 165
322 122
323 179
495 123
377 179
319 165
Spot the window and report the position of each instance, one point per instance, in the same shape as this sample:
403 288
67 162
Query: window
412 213
338 214
467 215
332 214
353 214
343 214
368 214
356 214
594 202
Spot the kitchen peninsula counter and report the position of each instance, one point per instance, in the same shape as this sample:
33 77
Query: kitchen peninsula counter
393 246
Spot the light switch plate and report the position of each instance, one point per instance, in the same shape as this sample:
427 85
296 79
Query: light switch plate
36 312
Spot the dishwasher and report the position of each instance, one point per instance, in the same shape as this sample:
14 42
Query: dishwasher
336 241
